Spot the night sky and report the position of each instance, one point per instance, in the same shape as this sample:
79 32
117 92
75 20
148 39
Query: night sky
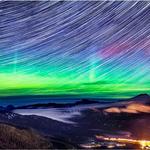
81 48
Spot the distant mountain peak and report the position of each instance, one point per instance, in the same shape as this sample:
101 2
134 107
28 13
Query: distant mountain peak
142 96
86 101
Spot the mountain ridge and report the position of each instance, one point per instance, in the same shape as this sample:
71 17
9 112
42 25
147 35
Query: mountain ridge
143 98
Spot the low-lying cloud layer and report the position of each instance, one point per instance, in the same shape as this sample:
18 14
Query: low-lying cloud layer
131 108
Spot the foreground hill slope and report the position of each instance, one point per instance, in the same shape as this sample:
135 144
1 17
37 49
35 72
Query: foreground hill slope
13 137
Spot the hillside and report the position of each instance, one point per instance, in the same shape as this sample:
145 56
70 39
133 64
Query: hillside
13 137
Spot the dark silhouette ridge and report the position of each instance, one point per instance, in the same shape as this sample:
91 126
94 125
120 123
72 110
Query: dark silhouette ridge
139 98
82 102
142 96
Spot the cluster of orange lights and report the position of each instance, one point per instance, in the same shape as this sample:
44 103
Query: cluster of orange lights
143 143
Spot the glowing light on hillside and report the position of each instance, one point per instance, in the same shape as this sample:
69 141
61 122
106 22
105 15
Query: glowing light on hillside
144 144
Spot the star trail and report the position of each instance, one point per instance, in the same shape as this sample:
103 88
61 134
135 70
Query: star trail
81 48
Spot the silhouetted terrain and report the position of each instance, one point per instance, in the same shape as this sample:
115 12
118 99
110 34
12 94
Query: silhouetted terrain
57 105
142 98
13 137
130 118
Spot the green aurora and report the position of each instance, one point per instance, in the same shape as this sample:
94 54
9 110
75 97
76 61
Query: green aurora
31 84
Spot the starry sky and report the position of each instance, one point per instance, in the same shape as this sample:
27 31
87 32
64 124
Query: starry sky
80 48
